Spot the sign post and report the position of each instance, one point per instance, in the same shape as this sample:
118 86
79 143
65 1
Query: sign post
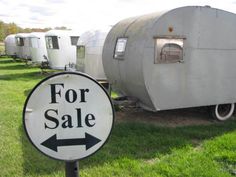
68 116
72 169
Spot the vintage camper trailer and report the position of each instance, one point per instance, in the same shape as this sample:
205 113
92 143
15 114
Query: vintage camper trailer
23 45
10 45
89 54
38 48
185 57
61 48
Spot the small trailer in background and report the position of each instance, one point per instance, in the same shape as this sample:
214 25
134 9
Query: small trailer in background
38 48
89 54
10 45
23 46
61 48
185 57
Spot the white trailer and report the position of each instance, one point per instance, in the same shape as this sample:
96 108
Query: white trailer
23 45
185 57
61 48
10 45
89 54
38 48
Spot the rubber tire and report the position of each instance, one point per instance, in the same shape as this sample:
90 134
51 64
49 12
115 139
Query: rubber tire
216 115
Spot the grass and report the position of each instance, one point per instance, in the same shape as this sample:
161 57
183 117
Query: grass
133 150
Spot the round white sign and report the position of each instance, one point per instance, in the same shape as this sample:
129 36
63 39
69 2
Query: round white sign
68 116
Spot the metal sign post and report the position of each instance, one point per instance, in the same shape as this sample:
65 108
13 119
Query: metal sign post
68 116
72 169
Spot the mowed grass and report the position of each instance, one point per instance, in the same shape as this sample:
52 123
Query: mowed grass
134 149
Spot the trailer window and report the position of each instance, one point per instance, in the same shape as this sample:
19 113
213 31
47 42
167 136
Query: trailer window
52 42
168 50
19 41
80 57
120 48
81 51
34 42
74 40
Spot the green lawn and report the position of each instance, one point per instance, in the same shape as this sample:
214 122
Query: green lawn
134 149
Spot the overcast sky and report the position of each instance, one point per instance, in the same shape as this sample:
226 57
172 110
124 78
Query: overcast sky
84 15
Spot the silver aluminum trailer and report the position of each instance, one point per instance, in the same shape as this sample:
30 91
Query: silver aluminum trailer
23 45
10 45
89 54
61 48
185 57
38 50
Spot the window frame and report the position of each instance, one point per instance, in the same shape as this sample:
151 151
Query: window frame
172 40
71 41
55 47
78 48
19 41
120 54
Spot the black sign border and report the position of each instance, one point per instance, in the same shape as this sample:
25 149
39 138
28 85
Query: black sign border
65 73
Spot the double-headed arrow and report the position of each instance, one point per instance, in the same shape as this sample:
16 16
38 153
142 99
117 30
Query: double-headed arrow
52 142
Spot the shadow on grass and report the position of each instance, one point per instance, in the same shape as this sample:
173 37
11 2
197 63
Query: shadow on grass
14 67
34 162
6 60
145 141
129 140
22 76
15 64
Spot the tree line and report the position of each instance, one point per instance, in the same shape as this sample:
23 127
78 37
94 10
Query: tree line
12 28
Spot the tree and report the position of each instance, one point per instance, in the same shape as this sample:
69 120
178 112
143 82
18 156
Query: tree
12 28
2 31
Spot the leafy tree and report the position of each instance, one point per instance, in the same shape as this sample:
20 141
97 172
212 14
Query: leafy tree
12 28
2 31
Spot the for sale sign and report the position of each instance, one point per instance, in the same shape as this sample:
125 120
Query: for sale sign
68 116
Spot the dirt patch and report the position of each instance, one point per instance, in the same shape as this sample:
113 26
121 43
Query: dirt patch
170 118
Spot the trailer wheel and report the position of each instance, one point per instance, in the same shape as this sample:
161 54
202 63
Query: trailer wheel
222 112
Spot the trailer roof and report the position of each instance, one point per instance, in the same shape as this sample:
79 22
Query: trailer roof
23 35
61 33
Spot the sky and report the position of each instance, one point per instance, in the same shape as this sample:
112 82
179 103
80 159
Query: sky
82 15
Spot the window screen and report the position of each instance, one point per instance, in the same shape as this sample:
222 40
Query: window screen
168 50
52 42
34 42
81 51
74 40
80 57
19 41
120 48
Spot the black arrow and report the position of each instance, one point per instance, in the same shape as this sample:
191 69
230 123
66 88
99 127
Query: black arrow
52 142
